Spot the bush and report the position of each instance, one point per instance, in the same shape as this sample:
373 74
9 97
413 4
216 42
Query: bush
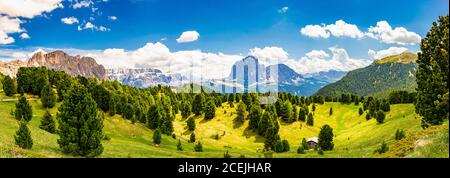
360 111
198 147
23 136
310 120
383 148
47 123
399 134
179 145
106 137
320 152
278 146
301 150
174 136
9 86
226 155
286 146
380 116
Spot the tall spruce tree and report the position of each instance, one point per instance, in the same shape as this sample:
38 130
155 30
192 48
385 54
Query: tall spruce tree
432 74
241 110
80 125
154 117
254 116
48 96
310 120
190 123
157 137
23 110
185 109
23 136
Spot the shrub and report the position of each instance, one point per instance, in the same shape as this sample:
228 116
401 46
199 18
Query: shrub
301 150
226 155
192 137
383 148
198 147
179 145
47 123
399 134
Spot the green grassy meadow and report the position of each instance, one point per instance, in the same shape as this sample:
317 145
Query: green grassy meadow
354 135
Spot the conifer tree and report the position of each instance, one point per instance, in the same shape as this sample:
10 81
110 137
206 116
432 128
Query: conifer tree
254 116
154 117
190 124
48 96
23 110
210 109
310 120
23 136
302 114
380 116
326 138
157 137
198 147
192 137
9 87
432 74
179 145
264 124
360 111
198 104
331 111
185 109
241 109
47 123
80 124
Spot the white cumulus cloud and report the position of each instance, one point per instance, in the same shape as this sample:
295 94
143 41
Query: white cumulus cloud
28 8
315 31
269 55
91 26
112 17
81 4
69 20
9 25
386 52
188 36
399 35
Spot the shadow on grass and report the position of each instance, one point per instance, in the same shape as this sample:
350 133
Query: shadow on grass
248 133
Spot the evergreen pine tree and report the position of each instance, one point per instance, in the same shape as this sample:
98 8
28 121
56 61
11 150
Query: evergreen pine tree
326 138
310 120
48 96
23 136
157 137
254 116
179 145
23 110
9 87
432 74
331 111
190 123
47 123
198 104
241 109
80 125
302 114
263 125
185 109
360 111
210 109
192 137
380 116
154 117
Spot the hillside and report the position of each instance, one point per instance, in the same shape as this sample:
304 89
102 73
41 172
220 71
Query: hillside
378 79
355 137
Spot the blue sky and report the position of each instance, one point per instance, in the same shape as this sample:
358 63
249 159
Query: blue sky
231 27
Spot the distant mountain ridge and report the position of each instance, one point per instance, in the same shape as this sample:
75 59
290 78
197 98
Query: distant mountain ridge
145 77
250 75
58 60
378 79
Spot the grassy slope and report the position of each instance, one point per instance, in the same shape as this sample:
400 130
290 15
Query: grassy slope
355 137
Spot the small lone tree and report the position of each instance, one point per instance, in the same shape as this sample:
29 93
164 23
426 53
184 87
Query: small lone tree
190 123
157 137
9 86
301 150
380 116
23 110
23 136
226 155
314 107
360 111
48 96
383 148
286 146
198 147
47 123
302 114
331 111
310 120
326 138
192 138
179 145
185 109
304 143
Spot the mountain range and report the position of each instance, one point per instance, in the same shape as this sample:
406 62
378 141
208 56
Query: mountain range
391 73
